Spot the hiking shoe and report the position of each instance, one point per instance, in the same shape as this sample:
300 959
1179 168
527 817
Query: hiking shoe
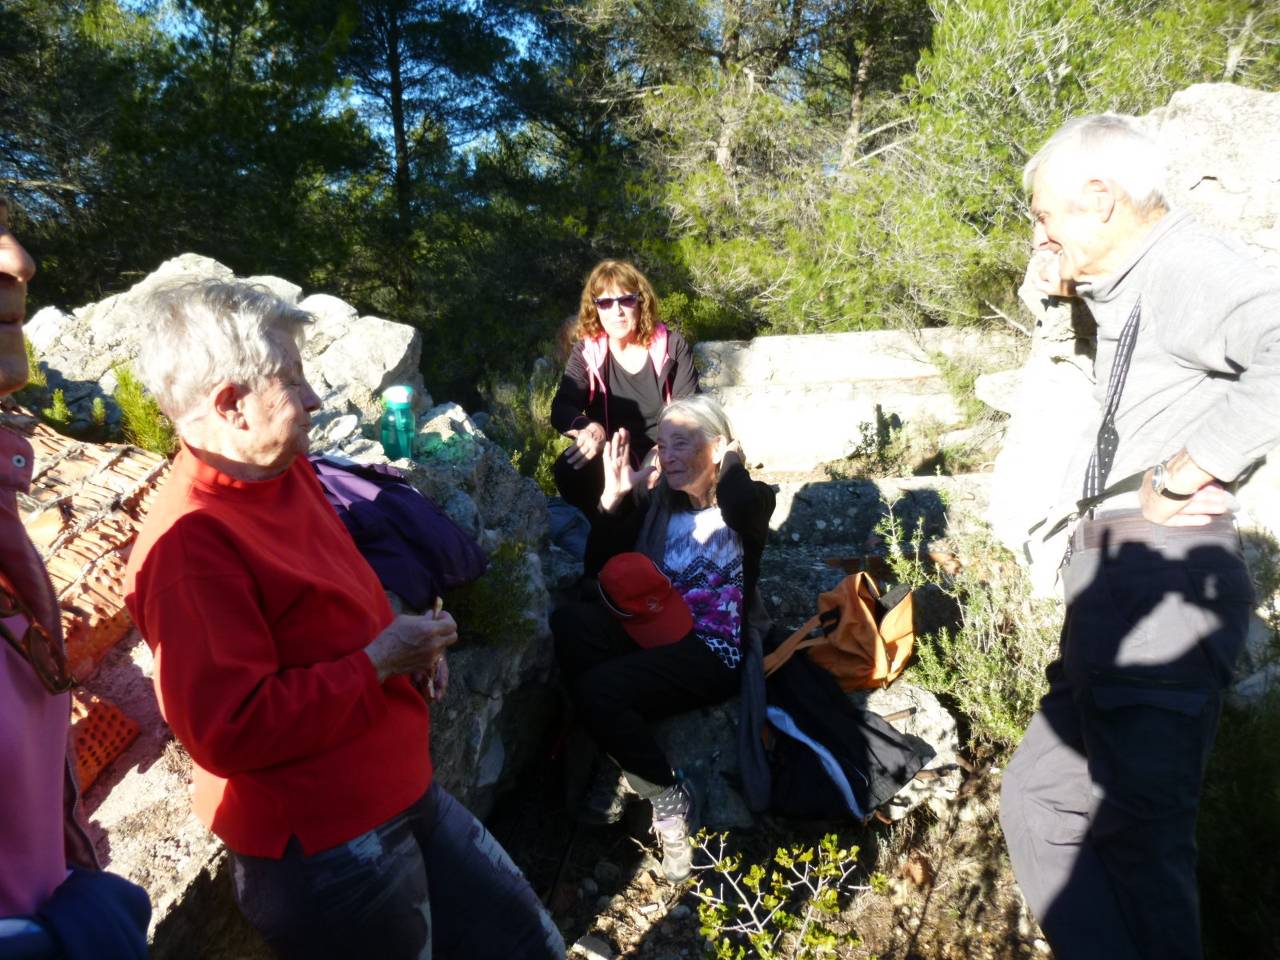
674 818
607 797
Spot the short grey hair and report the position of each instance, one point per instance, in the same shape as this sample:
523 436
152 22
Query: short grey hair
704 411
1110 147
205 332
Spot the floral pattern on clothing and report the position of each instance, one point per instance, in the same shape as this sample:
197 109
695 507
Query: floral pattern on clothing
703 558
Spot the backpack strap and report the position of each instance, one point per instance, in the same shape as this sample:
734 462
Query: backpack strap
814 632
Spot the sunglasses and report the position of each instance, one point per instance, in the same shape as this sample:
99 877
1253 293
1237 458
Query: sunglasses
606 303
35 645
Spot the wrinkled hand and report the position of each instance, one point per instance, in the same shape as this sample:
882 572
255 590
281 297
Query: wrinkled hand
619 478
412 644
731 454
587 444
1045 274
432 685
1206 503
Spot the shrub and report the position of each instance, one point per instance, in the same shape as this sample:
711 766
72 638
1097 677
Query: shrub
497 605
57 414
1239 832
143 423
521 423
36 392
992 668
788 910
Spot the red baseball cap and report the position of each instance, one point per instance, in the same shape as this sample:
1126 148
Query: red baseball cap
644 600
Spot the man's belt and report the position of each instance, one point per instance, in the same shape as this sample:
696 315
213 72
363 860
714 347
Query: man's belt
1116 527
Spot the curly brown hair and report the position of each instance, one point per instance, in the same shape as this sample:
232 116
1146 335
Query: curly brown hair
624 276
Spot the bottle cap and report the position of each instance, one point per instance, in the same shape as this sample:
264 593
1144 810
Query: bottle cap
397 396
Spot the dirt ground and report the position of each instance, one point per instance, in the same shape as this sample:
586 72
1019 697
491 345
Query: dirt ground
944 890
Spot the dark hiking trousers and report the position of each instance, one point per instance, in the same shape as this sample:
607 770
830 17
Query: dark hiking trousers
619 688
1098 805
430 882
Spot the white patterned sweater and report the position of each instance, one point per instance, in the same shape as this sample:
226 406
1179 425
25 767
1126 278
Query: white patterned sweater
703 558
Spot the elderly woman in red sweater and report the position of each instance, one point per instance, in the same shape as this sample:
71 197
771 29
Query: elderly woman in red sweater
282 670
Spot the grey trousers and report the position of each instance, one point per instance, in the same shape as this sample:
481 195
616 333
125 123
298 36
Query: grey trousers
1098 804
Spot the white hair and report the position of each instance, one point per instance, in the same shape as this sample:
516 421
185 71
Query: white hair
1110 147
704 411
202 333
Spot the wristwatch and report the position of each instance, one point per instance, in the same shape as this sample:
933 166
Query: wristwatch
1159 484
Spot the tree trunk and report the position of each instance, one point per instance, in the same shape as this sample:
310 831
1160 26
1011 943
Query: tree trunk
857 98
404 185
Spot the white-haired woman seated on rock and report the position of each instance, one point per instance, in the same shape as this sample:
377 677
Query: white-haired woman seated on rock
677 599
282 670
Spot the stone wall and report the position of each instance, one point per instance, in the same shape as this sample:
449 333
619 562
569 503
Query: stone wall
800 401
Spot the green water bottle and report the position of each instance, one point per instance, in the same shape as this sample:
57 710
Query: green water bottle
397 424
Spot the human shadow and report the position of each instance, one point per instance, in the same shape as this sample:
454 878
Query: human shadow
1099 804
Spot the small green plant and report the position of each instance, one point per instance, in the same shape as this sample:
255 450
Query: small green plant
497 606
36 393
788 909
57 414
98 414
521 424
36 377
142 422
960 374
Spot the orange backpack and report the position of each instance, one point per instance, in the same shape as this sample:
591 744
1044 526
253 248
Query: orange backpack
845 639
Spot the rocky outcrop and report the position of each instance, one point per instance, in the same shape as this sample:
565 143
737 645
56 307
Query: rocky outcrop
1222 141
348 359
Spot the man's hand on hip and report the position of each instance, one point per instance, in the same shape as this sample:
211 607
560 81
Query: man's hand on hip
1192 497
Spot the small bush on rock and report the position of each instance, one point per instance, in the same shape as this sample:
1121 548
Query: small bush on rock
497 606
143 423
788 909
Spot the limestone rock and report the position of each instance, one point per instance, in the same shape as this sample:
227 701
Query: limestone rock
703 744
592 947
999 390
932 723
348 359
799 401
1222 141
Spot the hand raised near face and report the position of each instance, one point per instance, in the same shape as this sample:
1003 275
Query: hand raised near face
619 477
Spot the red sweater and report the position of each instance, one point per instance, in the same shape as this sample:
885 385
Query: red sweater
258 607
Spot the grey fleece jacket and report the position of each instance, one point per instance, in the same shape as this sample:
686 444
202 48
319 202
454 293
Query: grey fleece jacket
1205 372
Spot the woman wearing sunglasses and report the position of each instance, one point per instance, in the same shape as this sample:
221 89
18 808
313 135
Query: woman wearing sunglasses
624 367
54 901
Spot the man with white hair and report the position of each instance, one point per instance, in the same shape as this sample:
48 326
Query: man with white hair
1099 803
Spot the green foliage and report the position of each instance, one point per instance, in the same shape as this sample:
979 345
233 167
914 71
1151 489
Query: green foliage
142 422
992 668
1238 829
787 909
98 414
496 607
36 393
998 79
704 318
57 414
521 424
